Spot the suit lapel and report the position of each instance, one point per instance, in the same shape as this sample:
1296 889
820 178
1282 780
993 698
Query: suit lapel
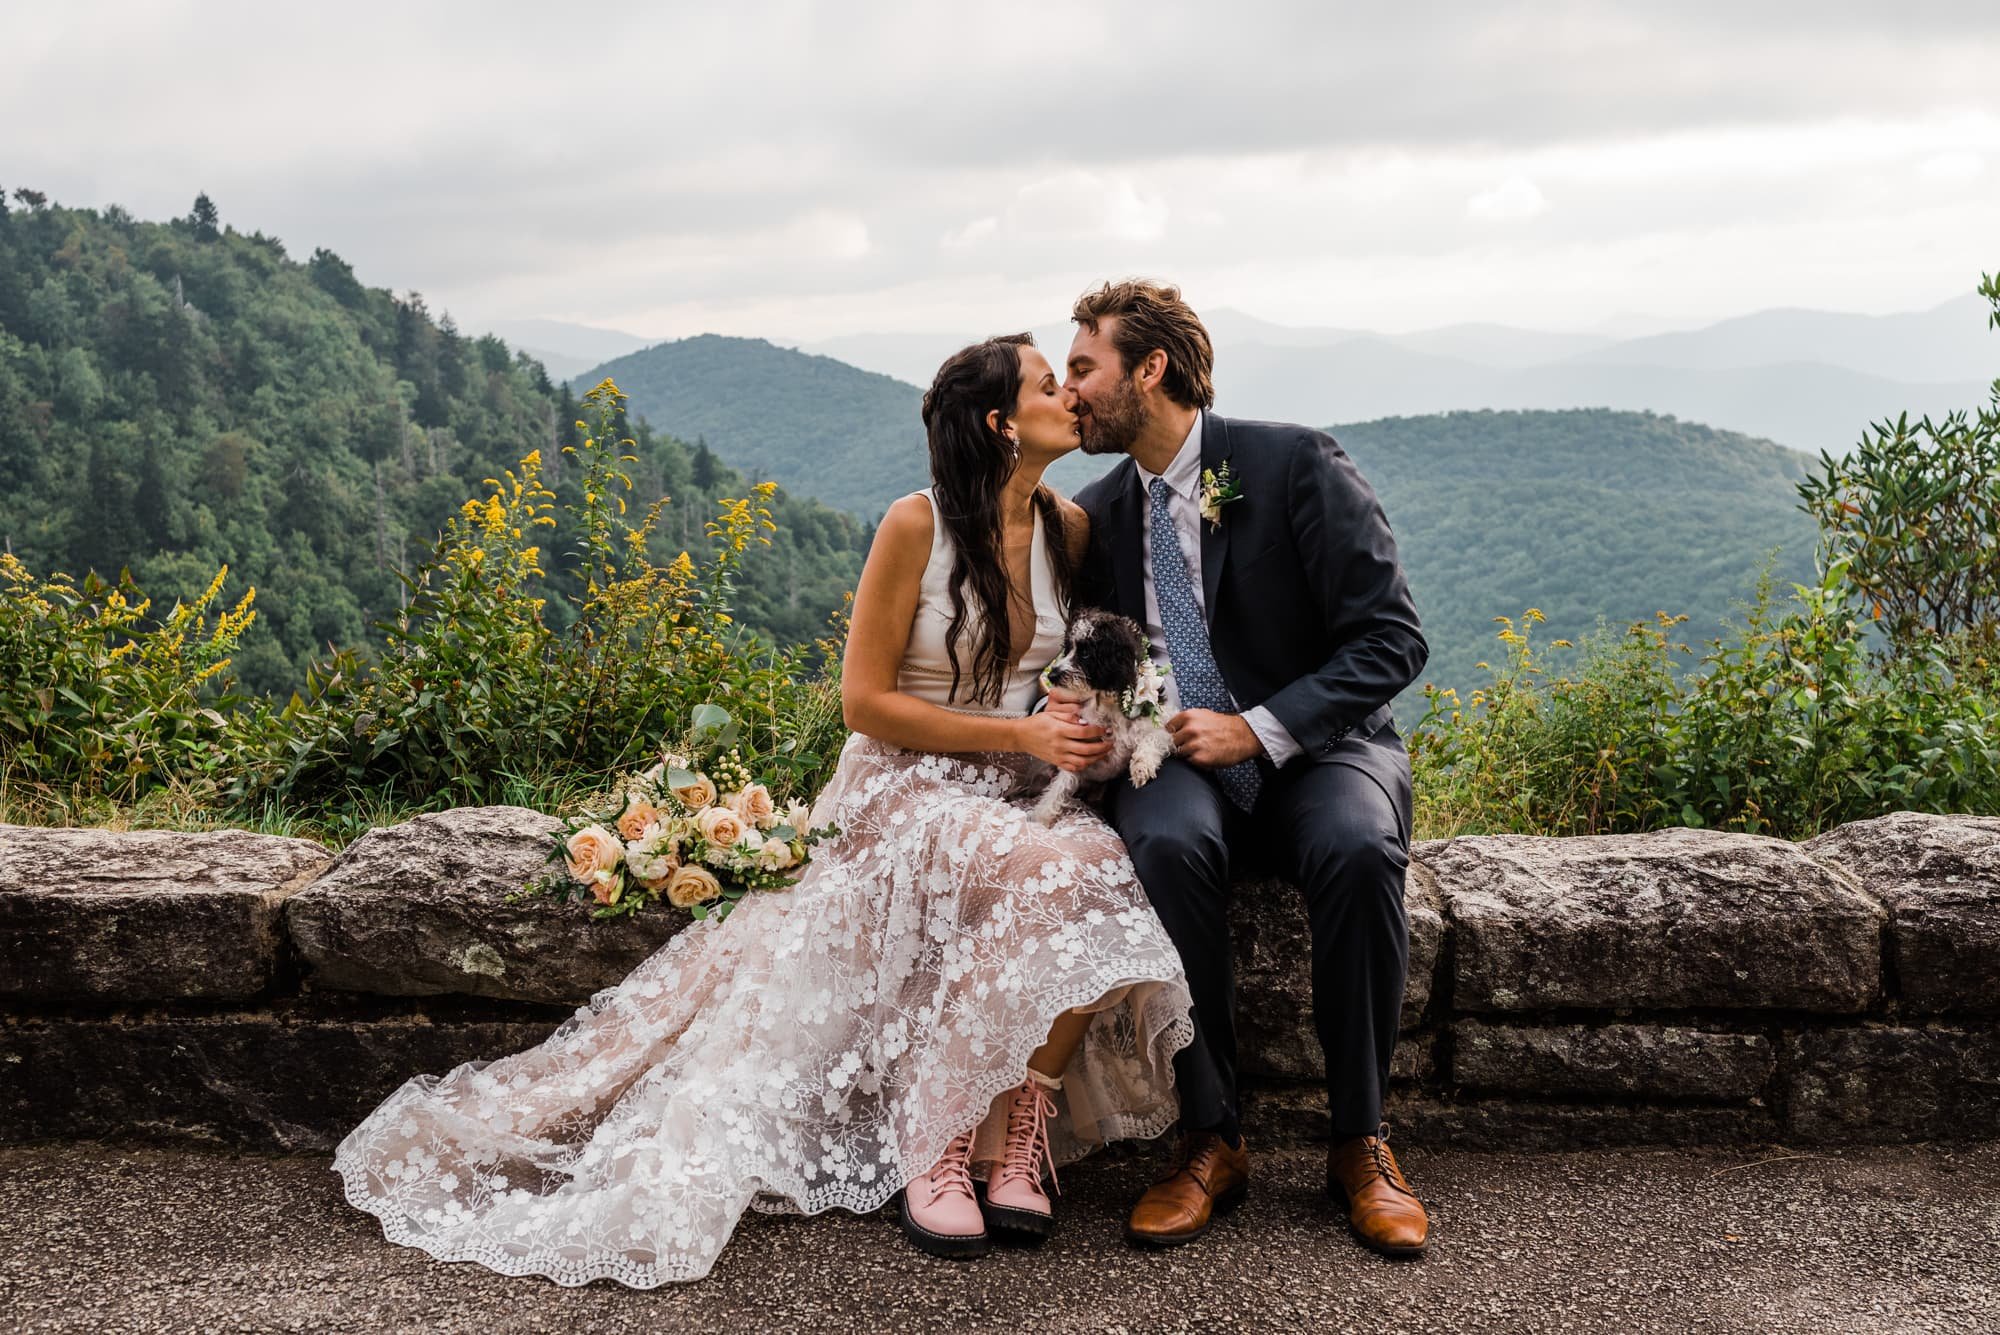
1128 512
1215 450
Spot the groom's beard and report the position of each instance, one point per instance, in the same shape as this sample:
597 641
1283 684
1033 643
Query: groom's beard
1113 424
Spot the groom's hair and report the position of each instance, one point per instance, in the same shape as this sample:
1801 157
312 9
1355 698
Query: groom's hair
1152 315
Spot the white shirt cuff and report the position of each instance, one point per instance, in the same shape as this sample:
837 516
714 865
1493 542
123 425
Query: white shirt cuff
1277 743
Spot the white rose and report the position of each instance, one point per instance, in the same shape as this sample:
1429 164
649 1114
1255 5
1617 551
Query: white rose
652 869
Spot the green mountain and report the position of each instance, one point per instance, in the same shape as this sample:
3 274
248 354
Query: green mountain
1584 514
175 396
851 438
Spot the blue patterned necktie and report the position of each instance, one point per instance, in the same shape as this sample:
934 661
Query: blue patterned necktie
1196 676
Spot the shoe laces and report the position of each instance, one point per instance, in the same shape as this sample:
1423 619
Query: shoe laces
1195 1157
953 1172
1028 1146
1385 1161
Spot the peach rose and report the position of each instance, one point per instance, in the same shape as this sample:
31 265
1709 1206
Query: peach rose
720 826
692 885
754 805
696 795
639 813
591 850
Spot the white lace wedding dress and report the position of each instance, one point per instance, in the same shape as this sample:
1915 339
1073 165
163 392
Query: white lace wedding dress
822 1046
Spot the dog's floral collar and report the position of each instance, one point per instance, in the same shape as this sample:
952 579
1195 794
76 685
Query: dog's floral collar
1146 697
1218 488
1059 661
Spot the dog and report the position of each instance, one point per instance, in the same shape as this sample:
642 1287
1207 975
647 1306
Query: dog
1107 655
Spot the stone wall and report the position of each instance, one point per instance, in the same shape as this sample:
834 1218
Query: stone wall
1682 986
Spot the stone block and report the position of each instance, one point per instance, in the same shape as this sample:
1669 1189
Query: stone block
262 1081
1882 1083
102 916
1671 920
1273 953
417 910
1940 878
1613 1060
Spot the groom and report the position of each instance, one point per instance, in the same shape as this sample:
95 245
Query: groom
1261 566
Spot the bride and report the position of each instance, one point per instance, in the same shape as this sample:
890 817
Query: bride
951 992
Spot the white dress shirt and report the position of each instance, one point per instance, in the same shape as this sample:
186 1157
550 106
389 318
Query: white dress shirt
1183 478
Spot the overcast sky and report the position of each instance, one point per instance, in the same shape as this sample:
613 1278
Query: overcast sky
809 169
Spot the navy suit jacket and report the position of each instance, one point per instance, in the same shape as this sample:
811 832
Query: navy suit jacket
1309 613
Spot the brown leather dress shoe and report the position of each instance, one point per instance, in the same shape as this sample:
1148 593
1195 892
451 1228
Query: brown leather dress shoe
1209 1179
1382 1207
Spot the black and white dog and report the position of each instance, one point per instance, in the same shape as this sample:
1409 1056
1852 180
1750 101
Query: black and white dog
1106 655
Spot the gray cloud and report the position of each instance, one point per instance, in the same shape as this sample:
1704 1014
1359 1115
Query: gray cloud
787 165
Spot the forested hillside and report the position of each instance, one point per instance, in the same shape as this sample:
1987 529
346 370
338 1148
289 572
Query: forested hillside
851 438
177 396
1583 514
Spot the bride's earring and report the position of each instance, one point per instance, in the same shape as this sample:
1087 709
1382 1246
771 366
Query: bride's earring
1014 443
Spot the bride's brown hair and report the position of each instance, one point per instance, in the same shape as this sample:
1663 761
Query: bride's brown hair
970 464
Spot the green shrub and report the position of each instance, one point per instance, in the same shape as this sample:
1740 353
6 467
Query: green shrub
94 697
1786 726
1534 753
478 691
1914 514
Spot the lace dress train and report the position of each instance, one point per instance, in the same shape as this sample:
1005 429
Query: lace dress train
817 1050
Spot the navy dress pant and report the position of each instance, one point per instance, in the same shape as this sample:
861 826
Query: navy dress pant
1334 832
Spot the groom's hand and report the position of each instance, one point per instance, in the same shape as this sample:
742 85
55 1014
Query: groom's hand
1211 740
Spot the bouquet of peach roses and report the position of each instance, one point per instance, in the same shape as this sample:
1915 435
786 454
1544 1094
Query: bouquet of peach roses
700 838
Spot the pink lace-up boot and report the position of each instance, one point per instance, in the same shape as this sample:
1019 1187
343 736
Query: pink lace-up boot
940 1212
1015 1202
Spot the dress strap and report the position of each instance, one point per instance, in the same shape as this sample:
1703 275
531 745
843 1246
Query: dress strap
940 540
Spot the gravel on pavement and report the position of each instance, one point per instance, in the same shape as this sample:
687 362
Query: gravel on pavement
106 1238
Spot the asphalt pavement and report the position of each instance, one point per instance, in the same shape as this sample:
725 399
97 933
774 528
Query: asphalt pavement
1905 1239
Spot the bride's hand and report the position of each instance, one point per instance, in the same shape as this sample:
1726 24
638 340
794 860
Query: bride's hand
1067 704
1062 741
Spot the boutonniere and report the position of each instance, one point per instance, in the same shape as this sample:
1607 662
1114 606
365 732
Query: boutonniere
1218 488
